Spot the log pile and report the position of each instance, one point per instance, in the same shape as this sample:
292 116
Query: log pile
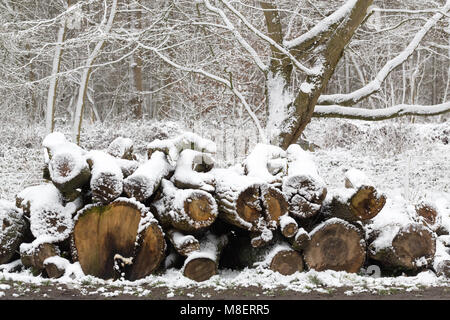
119 218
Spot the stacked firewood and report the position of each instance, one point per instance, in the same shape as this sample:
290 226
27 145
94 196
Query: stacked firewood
116 217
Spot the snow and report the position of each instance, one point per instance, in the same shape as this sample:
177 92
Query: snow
186 176
257 162
283 246
180 239
119 147
209 247
67 162
357 178
105 172
48 215
187 140
148 176
395 215
279 97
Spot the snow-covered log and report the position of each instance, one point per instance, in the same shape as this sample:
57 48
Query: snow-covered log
34 254
281 258
12 232
399 240
203 264
288 226
183 244
191 171
67 165
261 238
266 162
335 245
360 201
187 210
56 266
277 255
128 167
303 186
146 179
410 247
173 147
300 240
432 217
441 262
48 215
106 177
121 148
247 202
124 227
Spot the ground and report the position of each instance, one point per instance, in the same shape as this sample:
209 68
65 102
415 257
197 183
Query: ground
403 158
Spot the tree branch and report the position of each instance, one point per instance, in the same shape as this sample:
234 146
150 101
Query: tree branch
380 114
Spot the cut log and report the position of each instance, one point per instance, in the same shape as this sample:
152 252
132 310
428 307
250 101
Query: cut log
277 255
121 148
432 218
186 210
288 226
266 162
301 240
142 184
248 203
36 195
66 164
128 167
283 259
360 204
183 244
409 247
34 254
191 171
335 245
173 147
48 216
428 212
106 177
302 185
55 266
441 262
261 238
13 228
275 205
123 227
203 264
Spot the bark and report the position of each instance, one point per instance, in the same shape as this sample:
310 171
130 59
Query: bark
13 228
326 44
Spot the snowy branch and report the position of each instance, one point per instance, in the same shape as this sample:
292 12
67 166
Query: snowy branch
375 85
380 114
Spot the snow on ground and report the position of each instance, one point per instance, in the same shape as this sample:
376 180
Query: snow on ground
403 159
269 281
